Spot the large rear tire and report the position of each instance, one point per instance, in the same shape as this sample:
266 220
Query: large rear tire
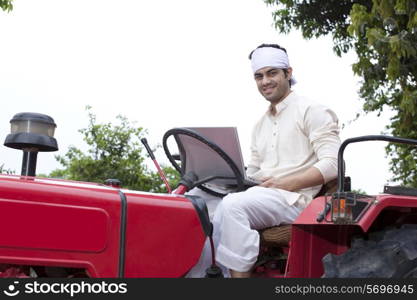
391 253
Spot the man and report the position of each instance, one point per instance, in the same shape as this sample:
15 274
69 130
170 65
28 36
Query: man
293 152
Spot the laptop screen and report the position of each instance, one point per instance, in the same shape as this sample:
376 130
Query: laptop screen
206 162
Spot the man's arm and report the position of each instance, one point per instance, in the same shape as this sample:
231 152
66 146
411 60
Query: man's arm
321 125
311 177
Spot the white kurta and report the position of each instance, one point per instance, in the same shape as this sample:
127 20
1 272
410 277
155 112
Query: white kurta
301 135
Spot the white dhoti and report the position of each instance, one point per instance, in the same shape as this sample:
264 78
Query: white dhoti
236 221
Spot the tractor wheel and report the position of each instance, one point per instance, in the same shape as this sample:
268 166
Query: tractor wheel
391 253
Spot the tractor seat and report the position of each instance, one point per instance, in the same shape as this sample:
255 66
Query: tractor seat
280 236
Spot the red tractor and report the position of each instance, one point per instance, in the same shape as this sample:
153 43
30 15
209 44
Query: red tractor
60 228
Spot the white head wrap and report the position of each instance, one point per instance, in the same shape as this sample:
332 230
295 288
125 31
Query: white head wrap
270 57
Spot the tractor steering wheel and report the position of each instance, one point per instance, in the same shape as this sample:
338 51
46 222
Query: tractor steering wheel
177 133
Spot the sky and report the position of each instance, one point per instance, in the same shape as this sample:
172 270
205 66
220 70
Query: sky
166 64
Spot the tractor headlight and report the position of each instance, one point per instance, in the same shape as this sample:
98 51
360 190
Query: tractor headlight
32 131
31 126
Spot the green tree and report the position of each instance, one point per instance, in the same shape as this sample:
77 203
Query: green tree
4 170
6 5
114 151
383 33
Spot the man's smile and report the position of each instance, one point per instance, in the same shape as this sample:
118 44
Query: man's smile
268 89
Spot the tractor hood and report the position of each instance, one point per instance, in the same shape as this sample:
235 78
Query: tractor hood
108 231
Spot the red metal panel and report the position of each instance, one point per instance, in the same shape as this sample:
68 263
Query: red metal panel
72 224
312 240
382 202
75 224
52 226
164 235
309 215
309 244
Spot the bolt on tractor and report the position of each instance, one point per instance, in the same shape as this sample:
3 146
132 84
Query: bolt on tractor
62 228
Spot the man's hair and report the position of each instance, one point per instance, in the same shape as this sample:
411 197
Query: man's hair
270 46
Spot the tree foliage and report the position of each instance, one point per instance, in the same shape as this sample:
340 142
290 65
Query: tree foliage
383 33
114 151
6 5
4 170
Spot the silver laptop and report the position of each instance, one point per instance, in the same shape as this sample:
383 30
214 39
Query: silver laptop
205 162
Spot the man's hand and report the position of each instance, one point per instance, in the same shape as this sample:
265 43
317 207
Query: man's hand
278 183
310 177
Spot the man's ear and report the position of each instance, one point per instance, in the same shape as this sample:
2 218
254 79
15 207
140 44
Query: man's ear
289 73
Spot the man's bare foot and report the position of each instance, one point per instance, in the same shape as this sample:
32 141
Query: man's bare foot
236 274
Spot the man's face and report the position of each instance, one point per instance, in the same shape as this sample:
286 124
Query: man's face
272 83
